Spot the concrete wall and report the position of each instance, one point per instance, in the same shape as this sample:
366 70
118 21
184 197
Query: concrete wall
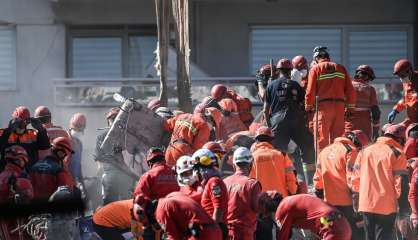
222 42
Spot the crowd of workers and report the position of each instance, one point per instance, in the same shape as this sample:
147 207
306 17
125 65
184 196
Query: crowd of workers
356 179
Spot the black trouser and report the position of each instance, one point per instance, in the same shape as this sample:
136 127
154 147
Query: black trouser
264 228
286 126
352 218
378 226
107 233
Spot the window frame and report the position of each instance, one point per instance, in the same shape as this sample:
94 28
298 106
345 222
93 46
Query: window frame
12 86
122 31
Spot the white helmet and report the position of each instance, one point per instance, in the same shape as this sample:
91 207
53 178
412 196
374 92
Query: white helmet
242 155
205 157
184 164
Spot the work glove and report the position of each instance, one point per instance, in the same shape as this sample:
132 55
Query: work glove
36 123
14 123
392 116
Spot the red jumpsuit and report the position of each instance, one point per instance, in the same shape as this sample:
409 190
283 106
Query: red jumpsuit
176 212
362 118
215 195
305 211
410 148
47 175
194 192
331 83
189 133
23 187
409 100
156 183
242 206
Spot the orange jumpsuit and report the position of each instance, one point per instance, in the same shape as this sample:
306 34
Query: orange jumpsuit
334 170
189 133
409 101
377 176
244 107
273 169
362 118
331 83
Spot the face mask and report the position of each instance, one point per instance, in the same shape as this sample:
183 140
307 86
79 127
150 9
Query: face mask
304 73
296 75
76 134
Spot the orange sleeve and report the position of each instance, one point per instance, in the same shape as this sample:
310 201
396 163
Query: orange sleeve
317 179
291 182
350 92
201 137
400 106
311 88
169 124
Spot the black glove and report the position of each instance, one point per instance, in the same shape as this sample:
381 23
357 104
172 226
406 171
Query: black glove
14 123
36 123
319 193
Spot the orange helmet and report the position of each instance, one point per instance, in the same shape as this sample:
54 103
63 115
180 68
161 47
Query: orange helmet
396 130
78 122
113 112
264 131
218 91
42 111
154 104
16 152
214 147
402 65
228 105
284 63
367 70
358 137
63 144
21 112
300 62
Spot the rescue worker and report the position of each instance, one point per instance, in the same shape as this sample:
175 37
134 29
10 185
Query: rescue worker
113 220
331 83
189 133
219 92
300 71
116 184
14 188
271 167
154 184
283 110
409 78
376 182
243 197
215 195
220 152
366 115
183 218
17 133
44 115
263 76
308 212
332 180
48 174
77 126
230 121
413 199
189 183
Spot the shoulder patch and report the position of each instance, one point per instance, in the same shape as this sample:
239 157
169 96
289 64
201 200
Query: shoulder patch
216 191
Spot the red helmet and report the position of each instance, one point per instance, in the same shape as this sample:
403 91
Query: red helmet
63 144
214 147
300 62
42 111
218 91
21 112
113 112
264 131
396 130
154 104
265 70
401 66
154 152
16 152
78 122
366 69
284 63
